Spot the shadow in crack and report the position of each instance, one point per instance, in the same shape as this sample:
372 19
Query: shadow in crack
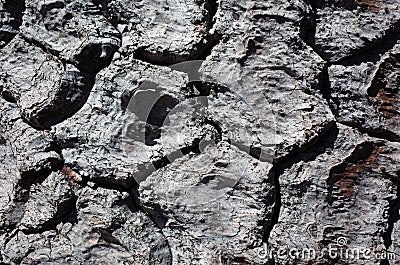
11 12
325 140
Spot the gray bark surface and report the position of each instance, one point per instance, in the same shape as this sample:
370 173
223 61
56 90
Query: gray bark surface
199 132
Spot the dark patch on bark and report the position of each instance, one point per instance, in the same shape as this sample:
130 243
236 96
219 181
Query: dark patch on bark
345 176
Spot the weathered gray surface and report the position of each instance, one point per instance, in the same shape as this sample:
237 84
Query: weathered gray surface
227 213
375 90
145 24
73 30
349 186
347 28
277 131
46 89
99 231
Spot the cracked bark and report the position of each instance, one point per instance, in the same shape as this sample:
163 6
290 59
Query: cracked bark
310 153
290 139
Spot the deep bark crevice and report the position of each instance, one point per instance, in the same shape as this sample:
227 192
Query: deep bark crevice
200 52
324 87
308 28
8 97
132 201
308 153
276 203
379 133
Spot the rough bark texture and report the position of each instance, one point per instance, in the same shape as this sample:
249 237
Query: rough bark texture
199 132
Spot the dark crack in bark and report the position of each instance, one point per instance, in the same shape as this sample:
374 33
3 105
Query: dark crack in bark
374 51
308 26
319 146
